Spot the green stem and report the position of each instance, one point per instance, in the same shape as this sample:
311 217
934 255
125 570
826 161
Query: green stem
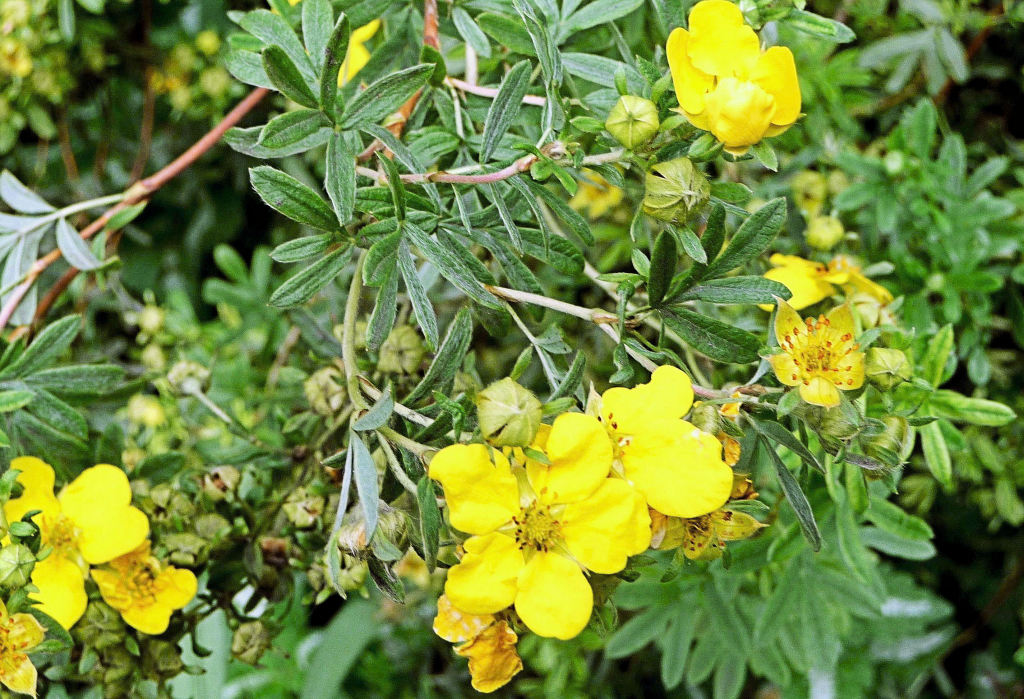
396 467
348 339
411 445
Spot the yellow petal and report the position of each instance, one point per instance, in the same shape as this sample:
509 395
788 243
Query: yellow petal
602 531
806 286
820 391
680 471
862 284
152 619
61 589
580 453
36 479
365 32
98 502
19 674
739 112
112 589
355 60
493 659
840 320
788 322
455 625
481 495
177 587
484 581
554 599
691 83
721 42
24 632
786 370
851 371
667 396
775 72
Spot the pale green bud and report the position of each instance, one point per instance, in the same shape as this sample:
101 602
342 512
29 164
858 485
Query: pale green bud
16 564
886 368
633 121
676 191
509 415
824 232
401 352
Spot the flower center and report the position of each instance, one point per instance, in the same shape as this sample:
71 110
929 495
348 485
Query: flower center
819 350
60 533
537 528
141 581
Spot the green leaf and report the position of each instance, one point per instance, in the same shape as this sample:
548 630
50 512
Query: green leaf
395 185
732 192
514 235
504 108
752 238
21 198
572 218
796 498
365 475
429 521
691 245
778 433
285 194
821 27
377 416
675 643
451 266
87 379
636 633
893 519
717 340
317 18
765 154
287 129
334 57
936 454
301 248
746 289
974 411
74 249
66 19
385 96
507 32
247 67
52 342
936 356
160 468
340 180
469 31
125 216
663 267
343 642
301 287
57 637
448 360
598 12
421 306
382 319
13 400
286 78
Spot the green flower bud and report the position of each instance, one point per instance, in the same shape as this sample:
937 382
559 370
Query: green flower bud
325 391
886 368
101 627
211 527
352 573
188 377
161 659
215 81
186 549
888 446
676 191
166 504
509 414
250 641
150 319
208 42
401 352
809 191
894 162
220 481
838 182
830 422
824 232
16 564
705 418
633 121
153 357
302 508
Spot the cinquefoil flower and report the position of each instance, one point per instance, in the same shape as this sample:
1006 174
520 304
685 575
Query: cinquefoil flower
91 521
18 633
145 590
595 195
811 282
489 643
817 354
725 83
536 530
678 468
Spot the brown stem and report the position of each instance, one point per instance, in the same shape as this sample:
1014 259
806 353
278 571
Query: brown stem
138 192
67 154
146 131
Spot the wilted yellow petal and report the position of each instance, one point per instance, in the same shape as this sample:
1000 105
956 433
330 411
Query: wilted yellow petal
484 581
554 598
493 659
19 674
787 322
481 495
454 625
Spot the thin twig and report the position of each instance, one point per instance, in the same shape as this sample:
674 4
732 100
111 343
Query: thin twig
492 92
594 315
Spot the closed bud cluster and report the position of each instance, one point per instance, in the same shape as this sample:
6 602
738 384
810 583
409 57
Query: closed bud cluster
186 549
325 392
675 191
633 121
401 352
810 189
188 377
250 641
509 414
161 660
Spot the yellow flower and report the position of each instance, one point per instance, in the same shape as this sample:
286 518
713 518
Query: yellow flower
811 282
90 522
704 538
818 354
18 633
489 644
678 468
595 195
145 590
725 83
536 529
15 58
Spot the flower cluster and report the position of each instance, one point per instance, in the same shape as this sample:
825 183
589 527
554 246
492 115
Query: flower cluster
576 498
725 83
91 523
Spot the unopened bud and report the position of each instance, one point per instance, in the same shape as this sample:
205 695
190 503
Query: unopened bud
401 352
161 659
831 422
676 191
886 368
186 549
211 527
302 508
146 410
509 415
220 481
208 42
325 392
633 121
16 564
888 446
153 357
151 320
101 627
838 182
250 641
187 377
824 232
809 191
705 418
